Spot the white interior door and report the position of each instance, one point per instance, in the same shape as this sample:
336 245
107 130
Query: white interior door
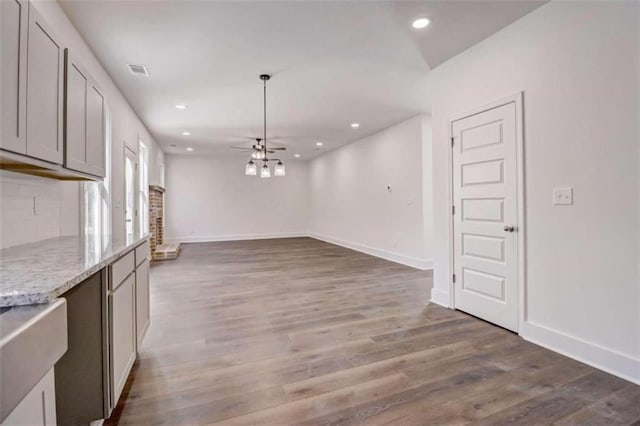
130 176
485 216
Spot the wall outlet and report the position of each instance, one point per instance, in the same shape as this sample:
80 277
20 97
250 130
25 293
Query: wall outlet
563 196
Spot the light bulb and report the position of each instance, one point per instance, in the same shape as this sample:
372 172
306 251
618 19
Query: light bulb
250 169
279 169
258 154
265 172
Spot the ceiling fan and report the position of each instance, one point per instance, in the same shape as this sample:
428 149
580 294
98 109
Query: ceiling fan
259 150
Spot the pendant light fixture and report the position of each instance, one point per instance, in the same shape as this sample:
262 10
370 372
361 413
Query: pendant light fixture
250 169
264 171
260 151
278 170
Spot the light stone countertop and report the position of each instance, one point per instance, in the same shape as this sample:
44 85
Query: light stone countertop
39 272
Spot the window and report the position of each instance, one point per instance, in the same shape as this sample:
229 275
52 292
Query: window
96 198
143 179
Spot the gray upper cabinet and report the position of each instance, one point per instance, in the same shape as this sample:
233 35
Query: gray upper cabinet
76 84
52 113
95 131
84 120
13 107
45 68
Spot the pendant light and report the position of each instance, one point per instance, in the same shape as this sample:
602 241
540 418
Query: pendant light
279 169
250 169
264 171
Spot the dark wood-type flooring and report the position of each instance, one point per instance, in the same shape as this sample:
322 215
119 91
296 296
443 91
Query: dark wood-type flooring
301 332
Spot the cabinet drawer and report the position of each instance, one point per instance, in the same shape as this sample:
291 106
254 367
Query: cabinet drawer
142 252
121 269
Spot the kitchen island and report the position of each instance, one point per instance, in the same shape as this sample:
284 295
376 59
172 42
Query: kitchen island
103 290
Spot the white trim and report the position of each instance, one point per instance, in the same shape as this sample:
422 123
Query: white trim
440 297
235 237
590 353
517 99
422 264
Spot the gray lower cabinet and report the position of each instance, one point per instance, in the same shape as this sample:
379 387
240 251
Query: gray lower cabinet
122 317
14 15
44 79
38 408
104 314
84 120
143 302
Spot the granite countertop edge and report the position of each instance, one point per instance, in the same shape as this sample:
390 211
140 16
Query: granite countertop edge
49 295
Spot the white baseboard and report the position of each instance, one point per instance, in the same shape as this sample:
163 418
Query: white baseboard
422 264
440 297
235 237
595 355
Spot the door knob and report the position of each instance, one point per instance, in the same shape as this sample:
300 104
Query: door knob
509 228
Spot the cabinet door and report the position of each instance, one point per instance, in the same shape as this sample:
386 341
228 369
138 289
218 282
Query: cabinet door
142 299
75 129
38 407
13 71
123 334
95 131
45 68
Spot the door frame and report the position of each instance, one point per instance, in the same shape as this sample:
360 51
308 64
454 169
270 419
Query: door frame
517 99
128 151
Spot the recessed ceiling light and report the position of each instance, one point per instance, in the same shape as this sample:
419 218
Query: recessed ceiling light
297 155
189 149
186 133
421 23
181 106
319 144
355 125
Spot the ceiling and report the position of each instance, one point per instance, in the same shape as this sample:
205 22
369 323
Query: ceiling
332 63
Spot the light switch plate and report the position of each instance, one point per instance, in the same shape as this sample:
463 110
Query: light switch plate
563 196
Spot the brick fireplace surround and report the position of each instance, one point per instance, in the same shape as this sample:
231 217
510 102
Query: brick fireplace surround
156 217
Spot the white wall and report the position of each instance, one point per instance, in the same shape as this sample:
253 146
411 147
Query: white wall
127 128
210 199
577 63
350 203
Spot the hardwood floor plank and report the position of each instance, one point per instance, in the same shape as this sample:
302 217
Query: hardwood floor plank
297 331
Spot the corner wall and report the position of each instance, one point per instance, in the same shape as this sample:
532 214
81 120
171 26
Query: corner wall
351 205
578 65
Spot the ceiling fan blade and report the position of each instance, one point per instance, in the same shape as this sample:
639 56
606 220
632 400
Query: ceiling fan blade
242 148
278 148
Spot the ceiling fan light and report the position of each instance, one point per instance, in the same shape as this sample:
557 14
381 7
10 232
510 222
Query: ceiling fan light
265 172
250 169
279 169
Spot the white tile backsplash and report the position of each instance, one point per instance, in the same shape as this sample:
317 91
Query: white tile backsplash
30 208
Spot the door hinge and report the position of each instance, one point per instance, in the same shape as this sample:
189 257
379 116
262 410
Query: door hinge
453 138
454 278
453 210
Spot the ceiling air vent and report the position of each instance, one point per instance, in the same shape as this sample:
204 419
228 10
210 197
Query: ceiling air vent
139 70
